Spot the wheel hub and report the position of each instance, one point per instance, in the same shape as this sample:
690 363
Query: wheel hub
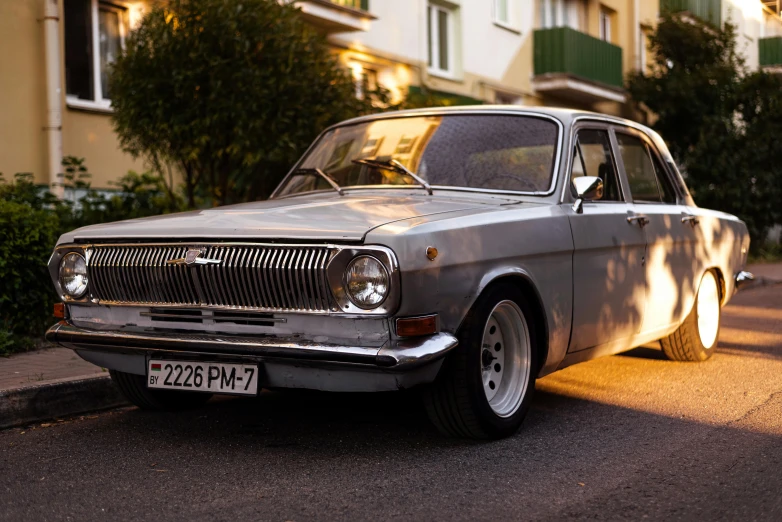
505 358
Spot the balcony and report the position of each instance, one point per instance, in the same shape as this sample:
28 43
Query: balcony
573 65
771 53
707 10
336 16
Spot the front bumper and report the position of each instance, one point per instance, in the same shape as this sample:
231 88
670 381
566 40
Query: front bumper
743 279
394 357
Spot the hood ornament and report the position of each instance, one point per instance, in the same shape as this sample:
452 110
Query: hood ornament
191 258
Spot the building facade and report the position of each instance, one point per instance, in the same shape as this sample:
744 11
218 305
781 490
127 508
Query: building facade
54 99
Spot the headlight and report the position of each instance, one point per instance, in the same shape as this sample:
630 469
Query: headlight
366 282
73 275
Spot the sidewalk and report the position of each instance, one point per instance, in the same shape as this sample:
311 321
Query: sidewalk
44 365
50 383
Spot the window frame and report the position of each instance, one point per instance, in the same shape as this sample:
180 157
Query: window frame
605 24
99 102
433 37
559 154
511 24
612 152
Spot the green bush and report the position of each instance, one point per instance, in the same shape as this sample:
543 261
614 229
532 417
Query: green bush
27 233
719 119
31 220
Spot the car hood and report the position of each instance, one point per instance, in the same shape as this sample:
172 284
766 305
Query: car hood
318 217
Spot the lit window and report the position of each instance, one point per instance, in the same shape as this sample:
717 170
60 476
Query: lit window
365 80
91 25
440 22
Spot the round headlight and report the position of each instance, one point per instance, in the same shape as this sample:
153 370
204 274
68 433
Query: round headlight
366 281
73 275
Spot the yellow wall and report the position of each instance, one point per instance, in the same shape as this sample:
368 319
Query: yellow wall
22 89
23 117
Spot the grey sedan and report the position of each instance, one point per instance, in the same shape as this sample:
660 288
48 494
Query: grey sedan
466 252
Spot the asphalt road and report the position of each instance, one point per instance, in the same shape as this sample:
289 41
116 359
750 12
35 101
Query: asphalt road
624 437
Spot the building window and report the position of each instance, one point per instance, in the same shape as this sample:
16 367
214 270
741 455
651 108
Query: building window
94 36
502 12
562 13
440 23
365 80
605 24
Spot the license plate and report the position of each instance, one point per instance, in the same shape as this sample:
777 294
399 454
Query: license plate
239 379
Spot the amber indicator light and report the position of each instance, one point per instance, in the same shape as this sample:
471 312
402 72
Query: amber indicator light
59 310
414 326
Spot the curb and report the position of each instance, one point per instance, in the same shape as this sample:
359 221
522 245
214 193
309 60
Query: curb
58 398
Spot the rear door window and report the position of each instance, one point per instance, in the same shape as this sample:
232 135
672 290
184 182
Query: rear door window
640 171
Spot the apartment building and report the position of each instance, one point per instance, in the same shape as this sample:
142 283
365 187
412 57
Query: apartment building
575 53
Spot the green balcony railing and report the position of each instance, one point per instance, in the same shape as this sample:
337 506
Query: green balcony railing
355 4
770 51
565 50
707 10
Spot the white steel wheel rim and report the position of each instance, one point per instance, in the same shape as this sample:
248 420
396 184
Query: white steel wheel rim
505 358
708 310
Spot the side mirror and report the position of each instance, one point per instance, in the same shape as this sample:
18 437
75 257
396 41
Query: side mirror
587 188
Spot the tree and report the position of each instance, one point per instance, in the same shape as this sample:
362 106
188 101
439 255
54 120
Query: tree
229 92
718 119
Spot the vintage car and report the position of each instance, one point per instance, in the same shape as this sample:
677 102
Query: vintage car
466 251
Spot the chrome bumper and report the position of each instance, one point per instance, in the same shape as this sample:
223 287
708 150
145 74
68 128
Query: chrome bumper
743 279
398 355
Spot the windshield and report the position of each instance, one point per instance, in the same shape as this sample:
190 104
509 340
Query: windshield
481 151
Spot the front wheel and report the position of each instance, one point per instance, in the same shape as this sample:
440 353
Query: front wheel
486 384
134 388
696 339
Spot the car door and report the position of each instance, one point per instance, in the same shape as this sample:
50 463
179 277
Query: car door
608 274
671 258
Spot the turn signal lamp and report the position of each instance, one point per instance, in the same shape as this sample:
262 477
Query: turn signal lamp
59 310
416 326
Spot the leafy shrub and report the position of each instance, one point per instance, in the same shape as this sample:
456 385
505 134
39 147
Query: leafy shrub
231 113
31 220
717 118
28 231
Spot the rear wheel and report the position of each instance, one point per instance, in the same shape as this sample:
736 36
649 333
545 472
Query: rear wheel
696 339
486 384
134 388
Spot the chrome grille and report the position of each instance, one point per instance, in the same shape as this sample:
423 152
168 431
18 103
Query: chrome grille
266 277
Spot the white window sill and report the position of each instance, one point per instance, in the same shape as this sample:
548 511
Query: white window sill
507 27
89 105
444 75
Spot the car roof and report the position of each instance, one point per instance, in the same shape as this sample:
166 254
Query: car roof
562 114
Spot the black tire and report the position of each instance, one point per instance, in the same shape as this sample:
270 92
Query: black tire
456 402
685 343
134 388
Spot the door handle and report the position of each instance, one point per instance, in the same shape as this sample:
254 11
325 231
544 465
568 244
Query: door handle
689 218
638 218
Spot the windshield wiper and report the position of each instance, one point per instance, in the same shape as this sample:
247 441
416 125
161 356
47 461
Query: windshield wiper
396 167
323 175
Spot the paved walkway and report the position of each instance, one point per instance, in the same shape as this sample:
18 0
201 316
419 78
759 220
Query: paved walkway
51 364
44 365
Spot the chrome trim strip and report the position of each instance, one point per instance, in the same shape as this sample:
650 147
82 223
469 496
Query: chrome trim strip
743 278
394 355
127 283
